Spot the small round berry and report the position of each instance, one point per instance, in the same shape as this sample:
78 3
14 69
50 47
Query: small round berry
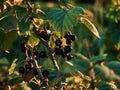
69 57
64 54
58 51
67 49
43 35
67 34
42 54
73 37
58 42
28 66
36 55
68 41
21 70
35 72
45 73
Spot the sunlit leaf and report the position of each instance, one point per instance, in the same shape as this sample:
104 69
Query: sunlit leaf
90 26
33 39
13 66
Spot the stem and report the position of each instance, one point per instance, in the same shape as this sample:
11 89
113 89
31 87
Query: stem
92 73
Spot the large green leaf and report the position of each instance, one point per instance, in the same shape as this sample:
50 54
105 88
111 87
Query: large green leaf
24 26
9 38
8 23
115 66
21 12
63 19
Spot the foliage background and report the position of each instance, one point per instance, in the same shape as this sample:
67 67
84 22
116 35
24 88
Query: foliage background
103 52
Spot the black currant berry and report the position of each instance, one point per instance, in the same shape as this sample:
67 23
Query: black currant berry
35 72
45 73
21 70
64 54
67 49
68 41
67 34
43 35
28 66
58 42
36 55
69 57
58 51
23 48
42 54
73 37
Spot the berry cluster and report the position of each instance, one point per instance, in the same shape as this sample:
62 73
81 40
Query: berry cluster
65 51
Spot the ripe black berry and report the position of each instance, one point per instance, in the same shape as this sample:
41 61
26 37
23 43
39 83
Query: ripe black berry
43 35
23 48
45 73
73 37
36 55
35 72
58 51
28 66
67 34
67 49
69 57
21 70
42 54
68 41
58 42
64 54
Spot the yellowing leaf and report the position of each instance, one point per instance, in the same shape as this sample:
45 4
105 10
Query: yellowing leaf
33 40
90 26
12 67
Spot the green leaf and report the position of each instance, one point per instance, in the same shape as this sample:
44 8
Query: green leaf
90 26
13 66
21 12
33 39
24 26
15 81
1 36
69 79
4 61
9 38
63 20
8 23
81 65
97 59
106 74
106 86
115 66
80 56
